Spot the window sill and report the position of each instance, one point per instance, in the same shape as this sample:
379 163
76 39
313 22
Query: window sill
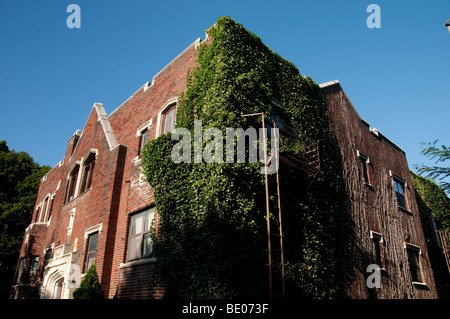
420 284
138 262
406 210
78 196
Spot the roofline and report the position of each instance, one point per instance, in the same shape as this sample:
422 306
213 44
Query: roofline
147 85
372 129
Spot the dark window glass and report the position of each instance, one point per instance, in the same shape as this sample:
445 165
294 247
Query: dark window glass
414 264
400 192
91 250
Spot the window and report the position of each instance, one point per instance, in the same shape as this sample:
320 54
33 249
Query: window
276 116
88 169
37 214
91 250
168 119
139 240
365 167
48 256
143 133
414 263
49 215
71 185
399 186
34 266
378 242
142 141
44 210
21 271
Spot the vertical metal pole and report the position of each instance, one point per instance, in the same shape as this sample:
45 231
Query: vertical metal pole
279 215
269 247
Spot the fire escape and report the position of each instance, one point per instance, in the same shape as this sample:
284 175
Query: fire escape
444 236
303 159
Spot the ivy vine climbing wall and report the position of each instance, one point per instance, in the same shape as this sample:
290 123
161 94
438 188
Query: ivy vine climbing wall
211 241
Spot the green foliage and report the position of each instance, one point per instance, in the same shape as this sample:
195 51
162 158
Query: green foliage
441 155
212 234
19 183
432 201
89 286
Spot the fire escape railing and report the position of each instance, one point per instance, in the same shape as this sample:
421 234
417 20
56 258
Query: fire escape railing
444 236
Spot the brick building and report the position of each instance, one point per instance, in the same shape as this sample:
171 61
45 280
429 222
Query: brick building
94 207
381 221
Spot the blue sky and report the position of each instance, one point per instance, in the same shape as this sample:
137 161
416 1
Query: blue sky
397 76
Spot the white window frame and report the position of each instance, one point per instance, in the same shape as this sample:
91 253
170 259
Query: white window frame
141 233
407 246
405 188
163 109
141 129
89 231
374 234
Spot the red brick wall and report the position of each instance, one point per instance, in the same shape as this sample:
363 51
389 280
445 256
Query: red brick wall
116 190
375 208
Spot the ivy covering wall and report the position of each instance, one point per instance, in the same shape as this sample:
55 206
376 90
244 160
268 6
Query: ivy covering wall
432 201
212 241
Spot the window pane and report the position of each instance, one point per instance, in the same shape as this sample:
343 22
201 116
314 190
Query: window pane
34 263
169 121
93 238
364 162
400 193
136 224
144 137
134 247
147 241
149 215
399 187
90 260
414 265
377 243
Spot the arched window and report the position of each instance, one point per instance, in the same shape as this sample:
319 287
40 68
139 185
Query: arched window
88 170
168 119
72 183
44 210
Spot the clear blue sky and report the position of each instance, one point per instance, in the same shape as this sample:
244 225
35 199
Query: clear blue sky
397 76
